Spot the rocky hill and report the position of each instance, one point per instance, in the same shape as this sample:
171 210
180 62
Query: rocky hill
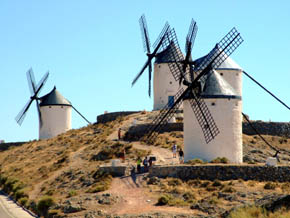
61 176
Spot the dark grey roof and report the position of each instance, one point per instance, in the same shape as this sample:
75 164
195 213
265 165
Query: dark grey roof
53 98
164 56
227 64
216 87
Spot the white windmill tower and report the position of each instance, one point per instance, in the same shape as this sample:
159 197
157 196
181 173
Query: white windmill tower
165 84
207 95
54 111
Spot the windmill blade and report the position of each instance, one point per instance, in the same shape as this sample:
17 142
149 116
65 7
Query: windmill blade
190 38
159 123
157 44
174 54
148 62
39 112
21 115
204 118
42 82
150 76
220 52
81 115
145 34
31 81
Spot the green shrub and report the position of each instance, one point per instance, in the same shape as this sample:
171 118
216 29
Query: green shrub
188 196
195 161
220 160
174 182
44 204
270 186
163 200
216 183
248 212
23 201
19 194
72 193
9 185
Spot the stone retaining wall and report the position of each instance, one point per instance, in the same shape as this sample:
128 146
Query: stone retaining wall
223 172
268 128
6 146
113 116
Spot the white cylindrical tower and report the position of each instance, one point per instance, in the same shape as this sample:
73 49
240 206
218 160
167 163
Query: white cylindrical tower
55 115
164 84
229 70
226 108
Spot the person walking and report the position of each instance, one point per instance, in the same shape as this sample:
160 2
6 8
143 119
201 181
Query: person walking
145 164
174 149
119 133
181 156
139 161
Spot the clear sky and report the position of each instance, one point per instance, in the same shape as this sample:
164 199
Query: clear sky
93 50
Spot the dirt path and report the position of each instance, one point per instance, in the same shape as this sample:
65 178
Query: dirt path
163 155
136 199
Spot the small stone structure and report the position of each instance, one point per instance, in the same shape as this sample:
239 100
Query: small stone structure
223 172
115 170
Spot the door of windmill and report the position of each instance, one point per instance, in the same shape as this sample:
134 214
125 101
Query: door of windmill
170 101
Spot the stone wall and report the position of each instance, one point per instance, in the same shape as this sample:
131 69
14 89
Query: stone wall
136 132
6 146
268 128
223 172
264 128
113 116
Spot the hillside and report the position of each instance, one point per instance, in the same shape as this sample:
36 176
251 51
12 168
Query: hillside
63 172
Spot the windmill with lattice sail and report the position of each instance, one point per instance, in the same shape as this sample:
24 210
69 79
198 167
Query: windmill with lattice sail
164 85
204 88
54 111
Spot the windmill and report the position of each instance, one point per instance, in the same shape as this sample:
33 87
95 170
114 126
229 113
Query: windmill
54 111
163 82
198 80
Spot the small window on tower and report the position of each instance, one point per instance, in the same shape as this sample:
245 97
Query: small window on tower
49 106
61 106
159 66
212 104
221 74
170 82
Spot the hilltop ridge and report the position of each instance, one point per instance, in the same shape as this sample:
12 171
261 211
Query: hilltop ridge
66 169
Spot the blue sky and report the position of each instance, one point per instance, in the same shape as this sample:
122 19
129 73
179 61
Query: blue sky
93 50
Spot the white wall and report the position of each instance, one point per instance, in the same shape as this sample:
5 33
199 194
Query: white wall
55 120
228 143
234 78
164 85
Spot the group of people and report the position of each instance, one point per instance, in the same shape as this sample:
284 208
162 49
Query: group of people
180 153
146 164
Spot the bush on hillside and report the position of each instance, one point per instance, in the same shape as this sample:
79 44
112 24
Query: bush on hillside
44 204
220 160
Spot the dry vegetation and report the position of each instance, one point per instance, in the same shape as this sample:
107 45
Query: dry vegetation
216 197
43 174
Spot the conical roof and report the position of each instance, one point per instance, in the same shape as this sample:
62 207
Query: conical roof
53 98
227 64
216 87
165 56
